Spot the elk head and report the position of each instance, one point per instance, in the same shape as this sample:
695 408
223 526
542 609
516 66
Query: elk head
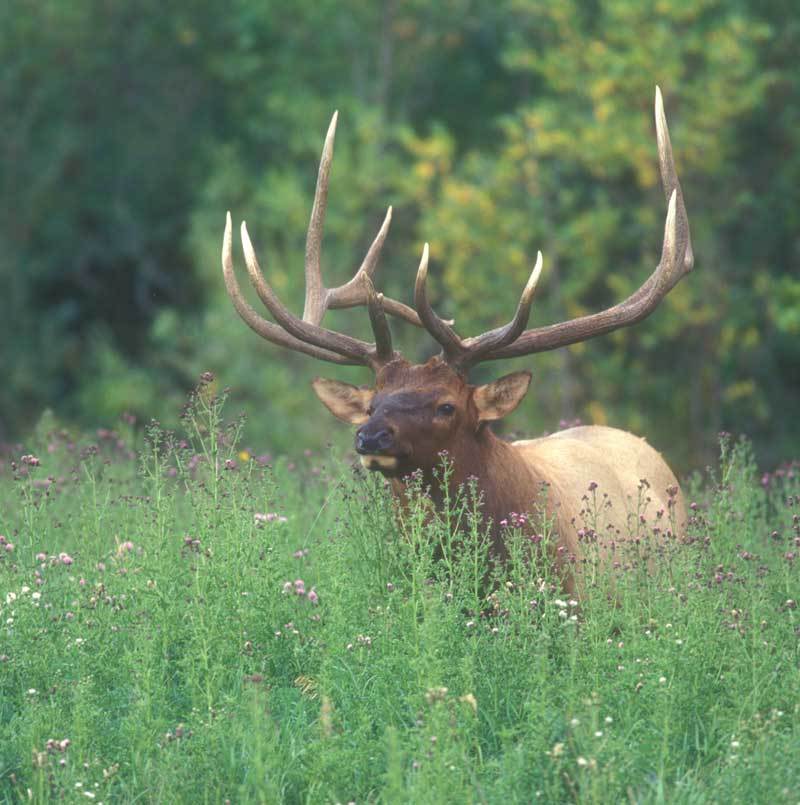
413 412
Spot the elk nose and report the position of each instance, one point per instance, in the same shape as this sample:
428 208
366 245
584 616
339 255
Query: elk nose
373 442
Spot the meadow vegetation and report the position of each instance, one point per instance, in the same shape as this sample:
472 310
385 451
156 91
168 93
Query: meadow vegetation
183 620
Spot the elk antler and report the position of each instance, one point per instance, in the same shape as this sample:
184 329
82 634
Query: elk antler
677 259
307 335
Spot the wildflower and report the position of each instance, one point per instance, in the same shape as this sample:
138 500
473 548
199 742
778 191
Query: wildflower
313 597
300 587
9 547
662 680
230 464
434 695
125 547
30 460
41 557
269 517
65 559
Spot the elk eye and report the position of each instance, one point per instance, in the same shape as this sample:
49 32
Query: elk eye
446 409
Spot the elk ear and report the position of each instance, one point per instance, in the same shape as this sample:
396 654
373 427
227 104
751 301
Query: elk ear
495 400
345 402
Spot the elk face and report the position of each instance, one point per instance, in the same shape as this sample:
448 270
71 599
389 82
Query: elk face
416 412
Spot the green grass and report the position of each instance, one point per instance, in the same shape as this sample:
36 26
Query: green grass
181 658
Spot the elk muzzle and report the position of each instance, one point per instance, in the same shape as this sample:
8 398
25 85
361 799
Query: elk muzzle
374 443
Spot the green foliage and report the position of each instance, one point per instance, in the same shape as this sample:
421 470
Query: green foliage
493 128
187 624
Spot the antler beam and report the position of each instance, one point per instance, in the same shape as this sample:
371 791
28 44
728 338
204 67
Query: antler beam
677 260
306 334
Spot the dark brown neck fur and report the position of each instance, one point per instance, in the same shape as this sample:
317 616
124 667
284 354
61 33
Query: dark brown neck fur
505 481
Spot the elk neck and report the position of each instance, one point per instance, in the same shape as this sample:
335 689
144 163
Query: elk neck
506 482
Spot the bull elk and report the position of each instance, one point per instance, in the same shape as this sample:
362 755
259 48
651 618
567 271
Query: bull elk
414 412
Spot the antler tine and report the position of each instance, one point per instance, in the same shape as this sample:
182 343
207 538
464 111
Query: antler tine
377 318
319 298
480 346
677 259
266 329
347 346
315 290
669 176
439 329
352 293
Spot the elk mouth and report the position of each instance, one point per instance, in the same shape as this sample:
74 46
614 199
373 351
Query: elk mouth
393 464
377 461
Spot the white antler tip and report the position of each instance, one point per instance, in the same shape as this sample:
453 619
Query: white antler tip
246 243
537 269
422 273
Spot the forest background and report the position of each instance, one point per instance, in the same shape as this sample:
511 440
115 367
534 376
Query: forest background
493 127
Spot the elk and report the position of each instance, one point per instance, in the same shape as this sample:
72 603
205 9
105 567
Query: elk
414 412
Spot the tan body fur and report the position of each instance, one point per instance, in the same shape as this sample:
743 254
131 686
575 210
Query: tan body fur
617 461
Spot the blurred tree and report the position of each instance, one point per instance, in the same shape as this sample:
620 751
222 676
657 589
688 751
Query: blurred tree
494 128
106 109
